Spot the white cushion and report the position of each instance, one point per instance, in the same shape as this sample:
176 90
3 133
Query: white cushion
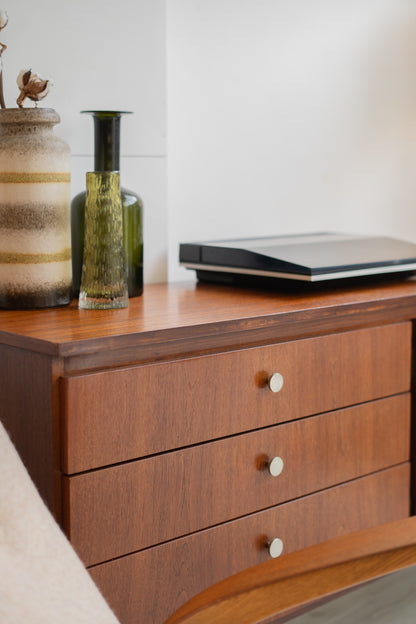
42 580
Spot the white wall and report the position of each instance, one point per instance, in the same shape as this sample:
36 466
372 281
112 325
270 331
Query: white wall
282 115
101 55
290 116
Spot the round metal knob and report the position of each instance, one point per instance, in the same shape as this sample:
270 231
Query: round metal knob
275 382
275 548
275 466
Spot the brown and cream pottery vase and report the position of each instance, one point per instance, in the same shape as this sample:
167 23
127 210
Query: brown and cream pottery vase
35 239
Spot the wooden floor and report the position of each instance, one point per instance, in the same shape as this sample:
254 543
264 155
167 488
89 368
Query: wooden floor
390 600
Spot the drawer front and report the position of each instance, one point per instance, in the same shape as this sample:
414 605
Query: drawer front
149 586
115 511
118 415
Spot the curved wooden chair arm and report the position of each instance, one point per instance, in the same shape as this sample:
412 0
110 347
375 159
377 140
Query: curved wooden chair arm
276 589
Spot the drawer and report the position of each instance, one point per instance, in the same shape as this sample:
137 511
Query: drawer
115 511
149 586
118 415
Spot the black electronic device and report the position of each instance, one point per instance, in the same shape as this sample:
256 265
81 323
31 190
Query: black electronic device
314 257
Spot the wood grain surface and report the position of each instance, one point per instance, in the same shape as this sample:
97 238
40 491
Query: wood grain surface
114 511
143 410
138 407
28 397
150 585
271 591
164 318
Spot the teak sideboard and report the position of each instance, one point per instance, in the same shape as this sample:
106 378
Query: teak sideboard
206 428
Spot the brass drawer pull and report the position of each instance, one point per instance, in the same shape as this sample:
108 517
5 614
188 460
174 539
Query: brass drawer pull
275 466
275 547
275 382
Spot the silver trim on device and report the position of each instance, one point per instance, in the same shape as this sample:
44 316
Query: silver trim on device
397 268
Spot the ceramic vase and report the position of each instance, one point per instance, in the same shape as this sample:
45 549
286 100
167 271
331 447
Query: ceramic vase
35 236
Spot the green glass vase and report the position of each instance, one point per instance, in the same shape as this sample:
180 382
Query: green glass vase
107 158
103 279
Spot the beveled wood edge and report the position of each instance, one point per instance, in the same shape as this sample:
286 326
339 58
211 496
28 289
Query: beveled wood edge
28 343
282 585
193 343
188 339
279 327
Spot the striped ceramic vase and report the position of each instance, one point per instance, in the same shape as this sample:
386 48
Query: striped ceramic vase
35 238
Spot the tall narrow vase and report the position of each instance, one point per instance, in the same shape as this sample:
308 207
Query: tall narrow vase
107 158
35 239
103 281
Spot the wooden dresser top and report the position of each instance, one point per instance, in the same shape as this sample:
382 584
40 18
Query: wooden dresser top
201 315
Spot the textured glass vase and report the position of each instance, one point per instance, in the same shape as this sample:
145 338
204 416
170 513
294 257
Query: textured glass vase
107 158
35 238
103 280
